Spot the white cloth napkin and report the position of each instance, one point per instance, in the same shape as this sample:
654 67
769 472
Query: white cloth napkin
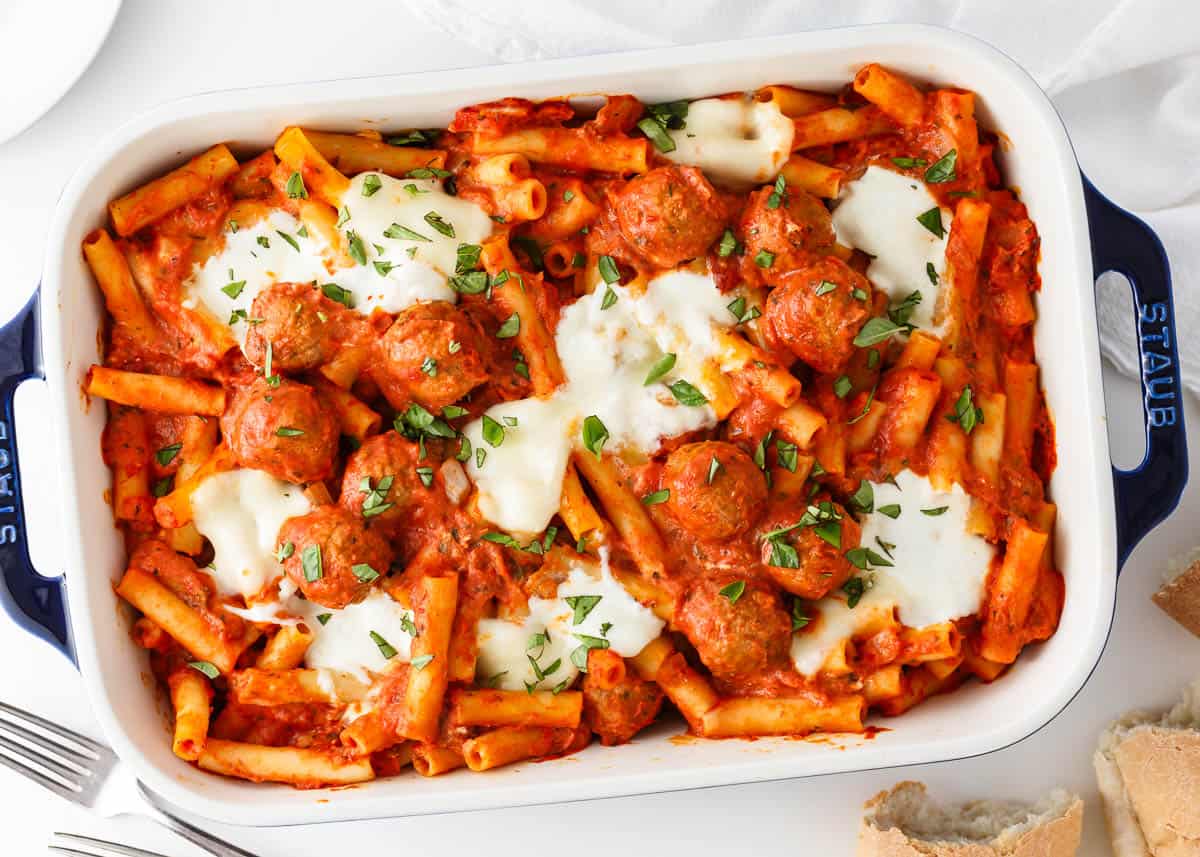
1125 74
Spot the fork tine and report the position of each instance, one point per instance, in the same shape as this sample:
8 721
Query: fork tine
41 779
48 745
113 847
61 731
28 754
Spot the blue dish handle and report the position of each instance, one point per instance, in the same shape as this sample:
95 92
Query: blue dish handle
36 603
1149 492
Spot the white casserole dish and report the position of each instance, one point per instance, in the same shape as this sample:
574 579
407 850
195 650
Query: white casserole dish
974 720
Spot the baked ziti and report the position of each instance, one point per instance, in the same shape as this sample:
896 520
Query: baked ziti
459 447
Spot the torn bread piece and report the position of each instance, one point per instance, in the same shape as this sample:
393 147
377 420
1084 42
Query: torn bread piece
1179 597
904 822
1148 770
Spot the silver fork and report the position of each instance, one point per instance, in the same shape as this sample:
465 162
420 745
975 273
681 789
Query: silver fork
86 772
96 847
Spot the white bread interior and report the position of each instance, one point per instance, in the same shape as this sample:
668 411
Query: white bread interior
904 822
1148 770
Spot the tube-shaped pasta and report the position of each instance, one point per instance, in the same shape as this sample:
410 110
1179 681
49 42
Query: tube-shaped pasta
351 154
813 176
430 760
606 669
793 102
1010 593
299 767
838 125
285 651
799 716
162 393
151 201
627 514
280 687
191 697
321 178
436 601
368 734
510 744
894 95
516 708
356 418
572 148
121 296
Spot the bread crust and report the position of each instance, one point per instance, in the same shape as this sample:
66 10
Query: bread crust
1160 768
1180 598
1056 837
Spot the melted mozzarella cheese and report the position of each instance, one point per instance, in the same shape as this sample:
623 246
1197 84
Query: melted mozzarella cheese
504 645
606 355
878 215
520 481
240 513
398 271
344 643
938 573
734 140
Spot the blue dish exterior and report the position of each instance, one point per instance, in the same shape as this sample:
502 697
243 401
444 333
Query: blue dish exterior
1144 496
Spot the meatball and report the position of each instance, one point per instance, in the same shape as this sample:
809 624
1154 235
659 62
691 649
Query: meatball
381 483
432 354
735 635
820 567
327 544
302 326
670 215
714 501
796 229
815 312
618 713
283 430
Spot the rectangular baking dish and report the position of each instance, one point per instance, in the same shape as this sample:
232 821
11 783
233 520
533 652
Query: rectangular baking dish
1102 512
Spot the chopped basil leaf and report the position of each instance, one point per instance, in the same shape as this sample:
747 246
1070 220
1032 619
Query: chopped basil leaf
714 467
310 563
728 245
582 605
872 359
764 258
737 308
966 413
786 455
385 648
733 591
413 138
234 289
826 287
464 450
594 435
371 185
206 668
163 487
403 233
295 187
453 412
931 272
656 134
472 283
288 431
510 328
364 572
426 476
854 589
343 217
864 497
686 394
357 250
842 386
492 431
942 170
608 270
661 367
610 298
799 618
578 260
876 330
336 293
284 551
892 510
933 513
263 241
166 454
932 220
427 173
466 258
568 195
909 163
324 618
662 495
439 223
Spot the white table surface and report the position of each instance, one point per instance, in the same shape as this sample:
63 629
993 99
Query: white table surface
162 50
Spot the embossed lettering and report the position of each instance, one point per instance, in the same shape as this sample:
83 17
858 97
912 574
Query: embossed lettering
1152 362
1153 386
8 534
1153 312
1160 417
5 485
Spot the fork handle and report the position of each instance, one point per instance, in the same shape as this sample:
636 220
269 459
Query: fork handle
36 603
200 838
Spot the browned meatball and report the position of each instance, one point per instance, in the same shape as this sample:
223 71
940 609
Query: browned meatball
381 483
304 328
735 634
618 713
326 545
815 312
282 430
814 566
714 501
432 354
798 228
669 215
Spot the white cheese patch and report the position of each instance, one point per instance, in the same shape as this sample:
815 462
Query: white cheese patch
504 645
735 141
240 512
938 575
606 355
344 643
878 215
260 254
